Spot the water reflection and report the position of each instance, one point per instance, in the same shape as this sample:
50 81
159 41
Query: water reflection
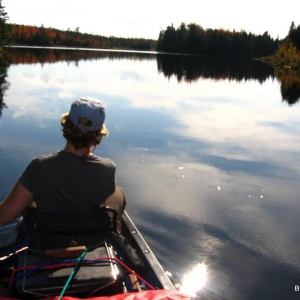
232 270
290 89
194 280
191 68
29 55
183 67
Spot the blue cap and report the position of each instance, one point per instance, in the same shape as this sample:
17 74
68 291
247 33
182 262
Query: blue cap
90 109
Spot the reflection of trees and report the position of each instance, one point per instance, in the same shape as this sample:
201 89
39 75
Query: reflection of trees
290 83
290 90
3 83
191 68
184 67
52 55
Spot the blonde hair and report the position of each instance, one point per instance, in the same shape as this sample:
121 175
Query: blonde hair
81 138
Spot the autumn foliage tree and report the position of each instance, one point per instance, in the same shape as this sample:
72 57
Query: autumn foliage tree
41 36
287 56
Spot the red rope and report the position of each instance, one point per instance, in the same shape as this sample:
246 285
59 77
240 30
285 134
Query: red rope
72 263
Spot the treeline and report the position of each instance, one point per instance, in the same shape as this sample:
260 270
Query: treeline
41 36
193 39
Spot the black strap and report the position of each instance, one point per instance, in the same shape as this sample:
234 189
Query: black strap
106 222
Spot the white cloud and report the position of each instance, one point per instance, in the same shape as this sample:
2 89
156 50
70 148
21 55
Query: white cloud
134 18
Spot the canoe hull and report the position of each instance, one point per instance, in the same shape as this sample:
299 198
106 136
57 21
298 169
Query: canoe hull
102 272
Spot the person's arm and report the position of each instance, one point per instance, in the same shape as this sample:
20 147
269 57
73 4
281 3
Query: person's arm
15 204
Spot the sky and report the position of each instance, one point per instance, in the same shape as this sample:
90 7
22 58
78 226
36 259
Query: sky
145 19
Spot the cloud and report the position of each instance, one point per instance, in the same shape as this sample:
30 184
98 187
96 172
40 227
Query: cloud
133 18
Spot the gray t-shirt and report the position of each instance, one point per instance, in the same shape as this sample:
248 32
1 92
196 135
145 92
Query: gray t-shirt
62 180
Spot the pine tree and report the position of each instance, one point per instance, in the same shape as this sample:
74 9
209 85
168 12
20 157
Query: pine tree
3 19
294 35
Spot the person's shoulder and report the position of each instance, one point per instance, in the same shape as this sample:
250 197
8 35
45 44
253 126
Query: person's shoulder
104 161
45 157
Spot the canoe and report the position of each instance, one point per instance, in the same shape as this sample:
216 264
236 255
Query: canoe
119 267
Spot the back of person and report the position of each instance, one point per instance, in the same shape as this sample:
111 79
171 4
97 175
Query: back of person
71 179
63 180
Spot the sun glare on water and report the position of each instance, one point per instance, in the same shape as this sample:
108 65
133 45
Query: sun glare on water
195 280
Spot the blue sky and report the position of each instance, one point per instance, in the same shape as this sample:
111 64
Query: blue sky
135 18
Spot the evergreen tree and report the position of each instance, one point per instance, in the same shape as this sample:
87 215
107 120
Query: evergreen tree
3 18
294 35
292 27
3 60
193 39
181 35
169 39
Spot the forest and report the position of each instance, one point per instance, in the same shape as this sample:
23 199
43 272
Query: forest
193 39
186 39
41 36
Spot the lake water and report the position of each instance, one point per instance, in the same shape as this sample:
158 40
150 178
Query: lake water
207 152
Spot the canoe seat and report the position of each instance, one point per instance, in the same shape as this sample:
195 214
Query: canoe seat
60 229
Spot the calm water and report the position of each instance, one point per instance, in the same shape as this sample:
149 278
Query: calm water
206 151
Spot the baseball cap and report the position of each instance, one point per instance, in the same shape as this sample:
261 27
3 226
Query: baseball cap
88 108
